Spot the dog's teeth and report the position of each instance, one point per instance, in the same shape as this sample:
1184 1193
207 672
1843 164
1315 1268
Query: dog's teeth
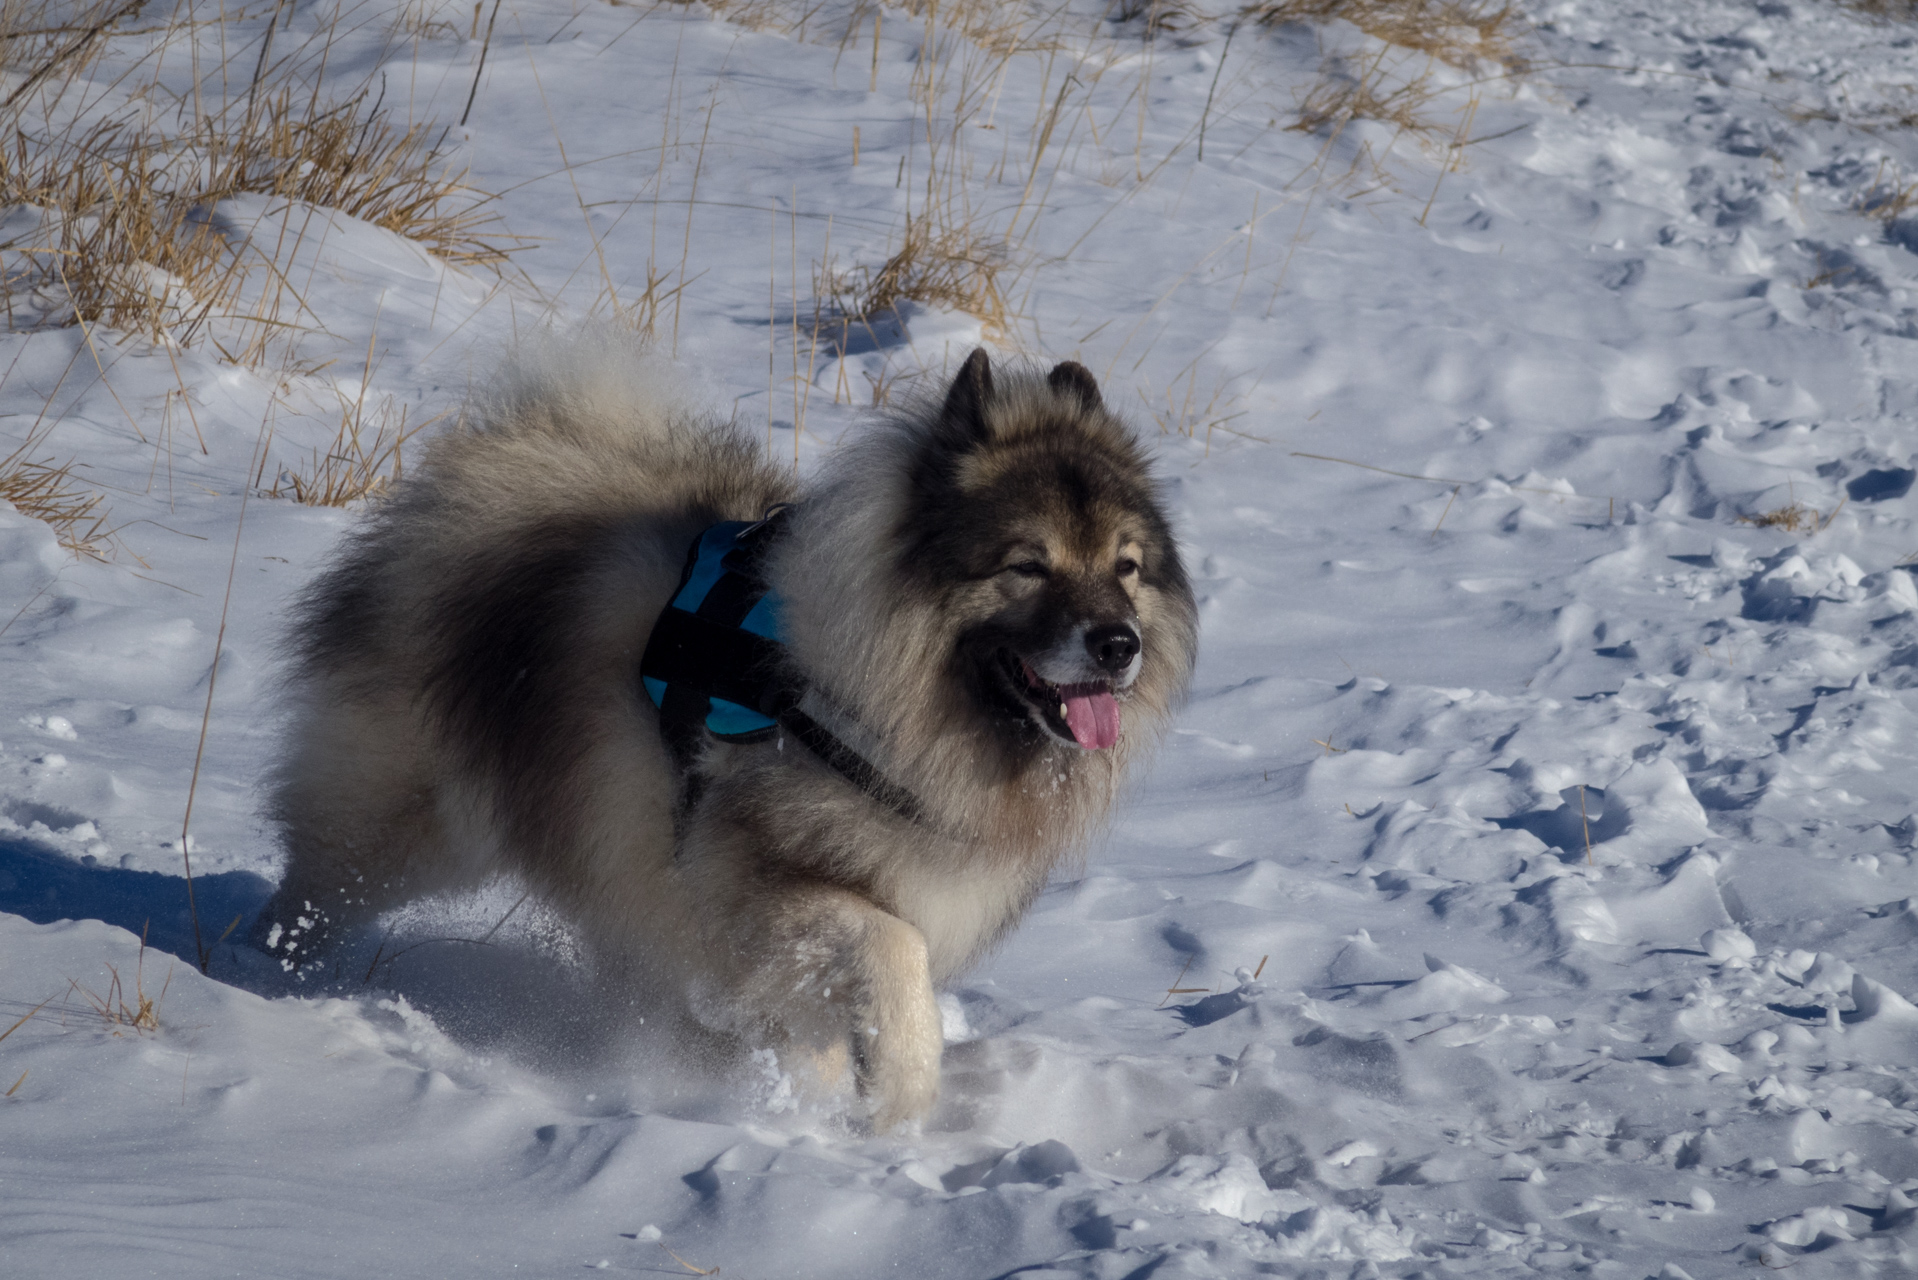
1062 710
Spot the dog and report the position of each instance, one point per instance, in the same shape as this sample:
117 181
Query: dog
982 622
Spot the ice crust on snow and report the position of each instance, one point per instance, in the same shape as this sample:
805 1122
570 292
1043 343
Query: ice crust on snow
1527 886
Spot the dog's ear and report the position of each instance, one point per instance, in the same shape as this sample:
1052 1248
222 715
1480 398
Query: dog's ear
962 422
1070 378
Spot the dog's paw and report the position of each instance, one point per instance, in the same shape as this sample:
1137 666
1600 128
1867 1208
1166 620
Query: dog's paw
900 1093
896 1065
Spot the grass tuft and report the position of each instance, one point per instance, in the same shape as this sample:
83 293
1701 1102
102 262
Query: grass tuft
1888 200
1192 412
939 262
142 1017
50 42
127 236
1889 10
357 161
1794 517
363 461
1460 33
1351 89
39 488
1161 17
112 246
116 217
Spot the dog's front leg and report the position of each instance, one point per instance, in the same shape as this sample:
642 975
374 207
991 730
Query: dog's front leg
897 1038
833 971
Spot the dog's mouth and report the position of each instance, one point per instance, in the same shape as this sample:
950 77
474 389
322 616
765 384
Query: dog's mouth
1085 713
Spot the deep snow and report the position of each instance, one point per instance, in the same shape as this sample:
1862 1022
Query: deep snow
1533 860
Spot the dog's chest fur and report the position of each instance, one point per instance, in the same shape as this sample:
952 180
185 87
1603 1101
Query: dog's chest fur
961 910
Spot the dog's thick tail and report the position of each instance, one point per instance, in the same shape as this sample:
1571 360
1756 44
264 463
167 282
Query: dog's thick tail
592 423
590 387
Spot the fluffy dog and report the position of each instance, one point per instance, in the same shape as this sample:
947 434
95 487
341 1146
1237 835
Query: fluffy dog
982 620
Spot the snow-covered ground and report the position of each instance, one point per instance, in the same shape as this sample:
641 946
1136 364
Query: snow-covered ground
1527 886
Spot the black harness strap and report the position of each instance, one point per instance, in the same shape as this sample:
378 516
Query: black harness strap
848 763
702 653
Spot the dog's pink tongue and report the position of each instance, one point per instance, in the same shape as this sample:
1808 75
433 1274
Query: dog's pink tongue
1092 713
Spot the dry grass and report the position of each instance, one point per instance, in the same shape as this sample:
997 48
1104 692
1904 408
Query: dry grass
963 243
1394 83
354 160
113 246
106 248
940 261
641 311
17 1024
1001 27
22 1020
1794 517
1180 411
1867 117
1161 17
127 235
956 248
142 1017
1460 33
364 459
951 252
1351 89
1890 10
1887 200
39 488
431 20
52 42
126 238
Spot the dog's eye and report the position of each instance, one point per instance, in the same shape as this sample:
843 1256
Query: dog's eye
1029 569
1127 566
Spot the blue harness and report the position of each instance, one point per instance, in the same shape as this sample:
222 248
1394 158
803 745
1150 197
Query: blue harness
714 653
716 664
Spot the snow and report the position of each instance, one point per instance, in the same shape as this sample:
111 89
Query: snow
1527 886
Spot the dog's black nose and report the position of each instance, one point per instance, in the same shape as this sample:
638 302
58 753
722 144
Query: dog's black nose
1112 646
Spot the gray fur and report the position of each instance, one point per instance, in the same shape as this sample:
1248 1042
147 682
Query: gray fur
468 702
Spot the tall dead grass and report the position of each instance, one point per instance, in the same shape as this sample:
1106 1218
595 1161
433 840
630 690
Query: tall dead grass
112 208
46 491
363 460
52 41
127 235
1407 78
356 160
1460 33
1889 10
112 246
962 245
1794 517
431 20
998 27
142 1017
1349 89
1888 199
939 261
1195 412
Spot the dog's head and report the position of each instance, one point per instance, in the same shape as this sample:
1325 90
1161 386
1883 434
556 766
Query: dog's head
1035 518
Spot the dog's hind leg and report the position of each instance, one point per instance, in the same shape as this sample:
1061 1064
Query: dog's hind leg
341 874
361 823
835 974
